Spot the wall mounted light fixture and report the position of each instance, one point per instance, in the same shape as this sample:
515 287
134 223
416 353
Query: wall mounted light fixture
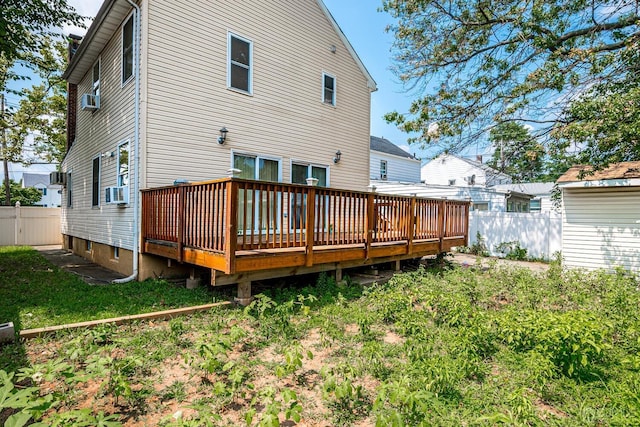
336 159
223 135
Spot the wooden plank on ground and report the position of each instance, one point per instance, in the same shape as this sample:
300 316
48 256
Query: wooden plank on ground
166 314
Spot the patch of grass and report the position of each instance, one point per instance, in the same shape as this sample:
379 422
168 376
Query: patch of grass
457 346
36 294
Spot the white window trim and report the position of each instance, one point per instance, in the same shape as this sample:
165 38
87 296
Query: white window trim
244 39
386 169
126 142
257 157
124 82
335 89
99 157
309 165
93 83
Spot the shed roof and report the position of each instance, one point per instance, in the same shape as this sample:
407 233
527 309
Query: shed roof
623 170
385 146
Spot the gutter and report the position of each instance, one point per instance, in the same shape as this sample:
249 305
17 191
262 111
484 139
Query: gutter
136 149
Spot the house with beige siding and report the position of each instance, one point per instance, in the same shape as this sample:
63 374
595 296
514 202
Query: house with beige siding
162 92
230 140
601 217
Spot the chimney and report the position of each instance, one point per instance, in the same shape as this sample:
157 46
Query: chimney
72 93
479 157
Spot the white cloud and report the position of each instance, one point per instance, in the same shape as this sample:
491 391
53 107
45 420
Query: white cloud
87 8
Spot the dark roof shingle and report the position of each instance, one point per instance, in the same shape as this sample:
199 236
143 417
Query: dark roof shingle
385 146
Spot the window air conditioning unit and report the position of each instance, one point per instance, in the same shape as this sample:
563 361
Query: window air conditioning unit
117 195
57 178
90 102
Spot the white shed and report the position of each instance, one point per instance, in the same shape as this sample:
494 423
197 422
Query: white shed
601 217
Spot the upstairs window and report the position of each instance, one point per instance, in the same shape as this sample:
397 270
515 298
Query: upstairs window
328 89
95 88
383 169
240 63
127 50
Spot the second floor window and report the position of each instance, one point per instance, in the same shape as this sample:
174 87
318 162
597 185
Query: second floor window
328 89
95 90
127 50
383 169
240 57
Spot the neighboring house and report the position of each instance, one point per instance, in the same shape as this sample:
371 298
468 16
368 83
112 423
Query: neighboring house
390 162
51 193
232 137
482 199
601 217
541 192
447 169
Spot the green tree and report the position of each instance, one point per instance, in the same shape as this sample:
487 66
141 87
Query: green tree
517 153
41 111
26 196
25 25
482 63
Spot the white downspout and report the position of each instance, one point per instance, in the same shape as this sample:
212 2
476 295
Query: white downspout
136 148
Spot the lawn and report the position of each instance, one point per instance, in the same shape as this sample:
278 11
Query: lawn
34 293
453 346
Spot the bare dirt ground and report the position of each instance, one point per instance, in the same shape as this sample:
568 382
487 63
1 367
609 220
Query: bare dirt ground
470 260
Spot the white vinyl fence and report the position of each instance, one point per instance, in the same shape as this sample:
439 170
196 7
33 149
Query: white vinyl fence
540 233
31 226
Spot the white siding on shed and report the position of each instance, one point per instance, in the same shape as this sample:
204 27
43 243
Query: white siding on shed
601 228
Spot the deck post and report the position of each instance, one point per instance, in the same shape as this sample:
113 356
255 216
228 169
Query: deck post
441 233
466 229
144 220
398 266
181 219
370 222
231 220
244 293
411 225
338 274
310 221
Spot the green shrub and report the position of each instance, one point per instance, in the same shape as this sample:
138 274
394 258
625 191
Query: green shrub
575 341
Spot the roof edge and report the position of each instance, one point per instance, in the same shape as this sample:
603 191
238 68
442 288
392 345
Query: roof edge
371 83
86 40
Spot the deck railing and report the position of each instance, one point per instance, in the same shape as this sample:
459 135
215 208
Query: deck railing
230 215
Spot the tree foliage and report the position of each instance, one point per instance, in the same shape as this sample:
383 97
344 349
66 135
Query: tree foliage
478 64
26 24
26 196
41 111
517 153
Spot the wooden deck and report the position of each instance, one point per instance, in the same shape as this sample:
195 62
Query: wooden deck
245 230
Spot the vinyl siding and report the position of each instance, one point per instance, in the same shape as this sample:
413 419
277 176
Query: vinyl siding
188 100
475 194
100 132
446 167
601 228
442 169
398 168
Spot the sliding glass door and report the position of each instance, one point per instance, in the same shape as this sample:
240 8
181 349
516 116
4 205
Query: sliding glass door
254 205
